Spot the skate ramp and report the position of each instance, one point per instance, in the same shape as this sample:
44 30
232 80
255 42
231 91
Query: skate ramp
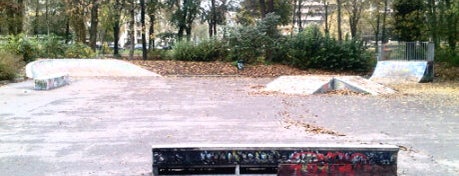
355 84
403 72
312 84
85 68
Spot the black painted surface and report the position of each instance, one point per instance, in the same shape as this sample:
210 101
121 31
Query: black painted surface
267 161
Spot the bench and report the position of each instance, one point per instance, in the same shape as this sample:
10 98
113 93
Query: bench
51 81
274 159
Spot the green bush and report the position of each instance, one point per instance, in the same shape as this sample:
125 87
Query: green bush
10 65
184 51
258 43
207 50
79 50
25 47
246 44
52 47
447 55
160 54
311 49
211 50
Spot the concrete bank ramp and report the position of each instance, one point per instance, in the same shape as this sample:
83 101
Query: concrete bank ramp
311 84
403 72
85 68
307 85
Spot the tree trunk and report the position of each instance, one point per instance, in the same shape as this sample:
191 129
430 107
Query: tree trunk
36 20
116 38
116 27
262 8
299 15
94 23
340 33
377 28
132 29
293 16
354 16
15 17
20 17
76 14
452 28
188 16
142 21
433 24
214 18
188 33
215 27
383 28
151 29
67 29
270 6
47 17
327 29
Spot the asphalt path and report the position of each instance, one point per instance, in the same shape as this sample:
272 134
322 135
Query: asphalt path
106 126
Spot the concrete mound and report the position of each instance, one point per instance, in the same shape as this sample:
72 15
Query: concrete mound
355 84
403 72
85 68
311 84
298 84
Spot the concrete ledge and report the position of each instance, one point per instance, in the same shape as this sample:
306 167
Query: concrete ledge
86 68
51 81
274 159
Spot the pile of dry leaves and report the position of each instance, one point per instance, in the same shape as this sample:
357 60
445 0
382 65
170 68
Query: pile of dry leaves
168 67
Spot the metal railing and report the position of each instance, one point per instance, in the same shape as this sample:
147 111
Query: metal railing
419 51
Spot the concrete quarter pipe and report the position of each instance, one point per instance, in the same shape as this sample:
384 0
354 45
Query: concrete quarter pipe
403 71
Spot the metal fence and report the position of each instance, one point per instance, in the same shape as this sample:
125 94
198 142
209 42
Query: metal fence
421 51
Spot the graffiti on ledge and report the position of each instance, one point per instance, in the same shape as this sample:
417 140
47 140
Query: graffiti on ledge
290 162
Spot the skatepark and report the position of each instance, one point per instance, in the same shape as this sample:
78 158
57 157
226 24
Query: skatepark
104 120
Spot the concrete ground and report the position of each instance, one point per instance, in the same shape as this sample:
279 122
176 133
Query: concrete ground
106 126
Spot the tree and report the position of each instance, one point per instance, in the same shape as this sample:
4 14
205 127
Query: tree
339 4
257 9
118 8
185 12
110 19
249 43
213 21
36 21
94 6
409 21
153 6
14 15
374 20
432 18
326 14
131 12
450 22
384 21
298 6
142 21
354 9
75 10
215 15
